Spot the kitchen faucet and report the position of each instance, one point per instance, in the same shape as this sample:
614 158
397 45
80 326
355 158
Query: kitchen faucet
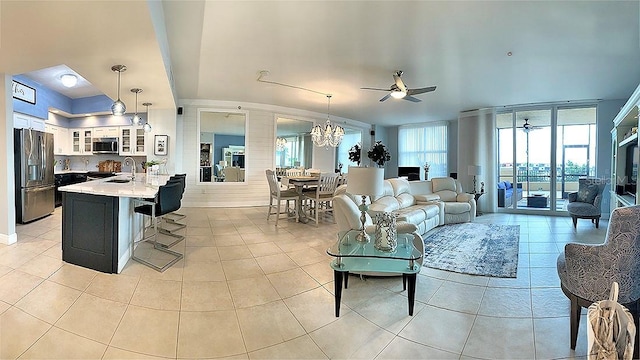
133 166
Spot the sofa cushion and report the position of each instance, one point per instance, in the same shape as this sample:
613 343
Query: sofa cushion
426 197
508 185
384 204
431 210
456 207
413 214
400 186
405 200
502 185
448 195
440 184
388 191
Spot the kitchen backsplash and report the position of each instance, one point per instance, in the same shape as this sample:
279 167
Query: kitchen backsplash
90 162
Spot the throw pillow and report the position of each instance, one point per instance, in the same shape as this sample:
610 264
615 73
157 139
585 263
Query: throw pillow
508 185
501 185
588 194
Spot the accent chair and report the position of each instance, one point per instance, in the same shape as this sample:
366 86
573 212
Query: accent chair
585 204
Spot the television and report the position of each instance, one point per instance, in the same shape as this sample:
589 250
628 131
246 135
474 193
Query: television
631 169
410 172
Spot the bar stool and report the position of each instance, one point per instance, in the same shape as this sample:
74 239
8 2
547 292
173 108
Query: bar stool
168 200
174 217
176 225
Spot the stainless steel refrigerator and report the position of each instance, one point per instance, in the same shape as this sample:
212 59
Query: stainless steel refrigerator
35 182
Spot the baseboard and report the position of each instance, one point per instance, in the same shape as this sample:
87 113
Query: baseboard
8 239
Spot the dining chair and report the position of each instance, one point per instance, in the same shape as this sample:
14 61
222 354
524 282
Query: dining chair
278 195
320 200
294 172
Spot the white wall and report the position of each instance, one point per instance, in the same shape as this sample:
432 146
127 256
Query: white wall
259 152
477 146
7 183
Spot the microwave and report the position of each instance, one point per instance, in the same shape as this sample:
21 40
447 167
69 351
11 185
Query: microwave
105 145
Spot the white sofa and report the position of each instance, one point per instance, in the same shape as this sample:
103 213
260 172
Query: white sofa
425 204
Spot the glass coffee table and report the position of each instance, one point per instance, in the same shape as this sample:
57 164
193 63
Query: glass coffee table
353 256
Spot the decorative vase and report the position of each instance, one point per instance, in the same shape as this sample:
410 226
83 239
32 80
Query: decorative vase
426 175
386 235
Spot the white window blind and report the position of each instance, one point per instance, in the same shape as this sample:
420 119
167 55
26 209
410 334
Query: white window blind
425 143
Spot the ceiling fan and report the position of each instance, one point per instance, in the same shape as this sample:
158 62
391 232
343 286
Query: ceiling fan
400 91
526 127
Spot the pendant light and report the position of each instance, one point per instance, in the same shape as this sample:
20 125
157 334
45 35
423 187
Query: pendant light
329 135
136 119
118 108
147 126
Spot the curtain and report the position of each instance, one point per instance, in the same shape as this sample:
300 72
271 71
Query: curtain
424 143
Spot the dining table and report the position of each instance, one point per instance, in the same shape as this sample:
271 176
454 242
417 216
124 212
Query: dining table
300 183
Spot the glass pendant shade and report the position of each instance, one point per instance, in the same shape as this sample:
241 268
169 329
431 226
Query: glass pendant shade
118 108
146 127
329 135
136 119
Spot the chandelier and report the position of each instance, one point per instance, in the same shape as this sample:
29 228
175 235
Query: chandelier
281 143
329 135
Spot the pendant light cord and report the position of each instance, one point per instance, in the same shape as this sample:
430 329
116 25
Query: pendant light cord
265 73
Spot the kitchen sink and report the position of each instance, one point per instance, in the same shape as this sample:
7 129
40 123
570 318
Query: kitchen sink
119 181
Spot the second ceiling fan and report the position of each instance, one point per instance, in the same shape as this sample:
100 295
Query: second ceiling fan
400 91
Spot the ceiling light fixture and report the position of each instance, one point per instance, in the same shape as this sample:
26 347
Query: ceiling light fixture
147 126
398 94
281 143
136 119
118 108
330 135
69 80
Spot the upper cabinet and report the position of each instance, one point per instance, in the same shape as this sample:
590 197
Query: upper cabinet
105 132
60 138
132 141
81 141
21 121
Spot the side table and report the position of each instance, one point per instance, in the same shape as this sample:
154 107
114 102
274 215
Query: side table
354 256
477 196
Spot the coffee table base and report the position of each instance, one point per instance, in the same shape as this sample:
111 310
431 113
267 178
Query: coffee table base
340 276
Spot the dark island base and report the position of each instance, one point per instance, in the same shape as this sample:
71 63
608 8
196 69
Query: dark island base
90 231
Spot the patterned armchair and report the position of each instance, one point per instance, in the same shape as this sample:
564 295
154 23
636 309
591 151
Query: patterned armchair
585 204
587 271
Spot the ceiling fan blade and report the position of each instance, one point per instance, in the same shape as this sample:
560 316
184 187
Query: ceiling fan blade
385 97
399 82
421 90
368 88
411 98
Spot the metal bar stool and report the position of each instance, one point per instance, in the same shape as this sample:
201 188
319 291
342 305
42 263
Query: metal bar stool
167 200
174 217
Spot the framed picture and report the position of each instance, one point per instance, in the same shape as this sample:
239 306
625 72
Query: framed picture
24 92
160 144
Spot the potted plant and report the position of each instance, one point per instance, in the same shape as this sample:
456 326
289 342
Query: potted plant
379 154
354 154
147 164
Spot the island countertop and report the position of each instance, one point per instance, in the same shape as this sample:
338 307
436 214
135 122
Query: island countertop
118 186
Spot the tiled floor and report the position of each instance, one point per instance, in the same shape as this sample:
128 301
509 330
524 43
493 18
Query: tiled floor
248 290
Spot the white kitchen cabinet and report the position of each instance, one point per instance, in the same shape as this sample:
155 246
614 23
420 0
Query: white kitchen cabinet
60 138
81 141
22 121
105 132
132 141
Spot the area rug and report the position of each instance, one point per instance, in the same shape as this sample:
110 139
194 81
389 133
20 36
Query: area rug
473 248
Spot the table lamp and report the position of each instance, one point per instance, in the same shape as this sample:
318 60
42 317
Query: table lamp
474 170
365 181
222 163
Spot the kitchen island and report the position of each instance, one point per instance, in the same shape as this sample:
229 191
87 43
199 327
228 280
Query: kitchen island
99 225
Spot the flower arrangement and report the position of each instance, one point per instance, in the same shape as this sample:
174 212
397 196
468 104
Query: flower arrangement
379 153
426 167
354 154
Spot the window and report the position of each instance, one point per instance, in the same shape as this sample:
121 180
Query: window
426 143
351 137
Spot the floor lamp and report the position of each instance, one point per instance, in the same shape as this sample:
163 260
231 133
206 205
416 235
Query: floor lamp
474 170
365 181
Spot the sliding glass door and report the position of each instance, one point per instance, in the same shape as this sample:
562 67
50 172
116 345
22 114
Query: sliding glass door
541 154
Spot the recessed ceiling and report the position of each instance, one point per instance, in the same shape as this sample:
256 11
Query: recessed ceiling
50 78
